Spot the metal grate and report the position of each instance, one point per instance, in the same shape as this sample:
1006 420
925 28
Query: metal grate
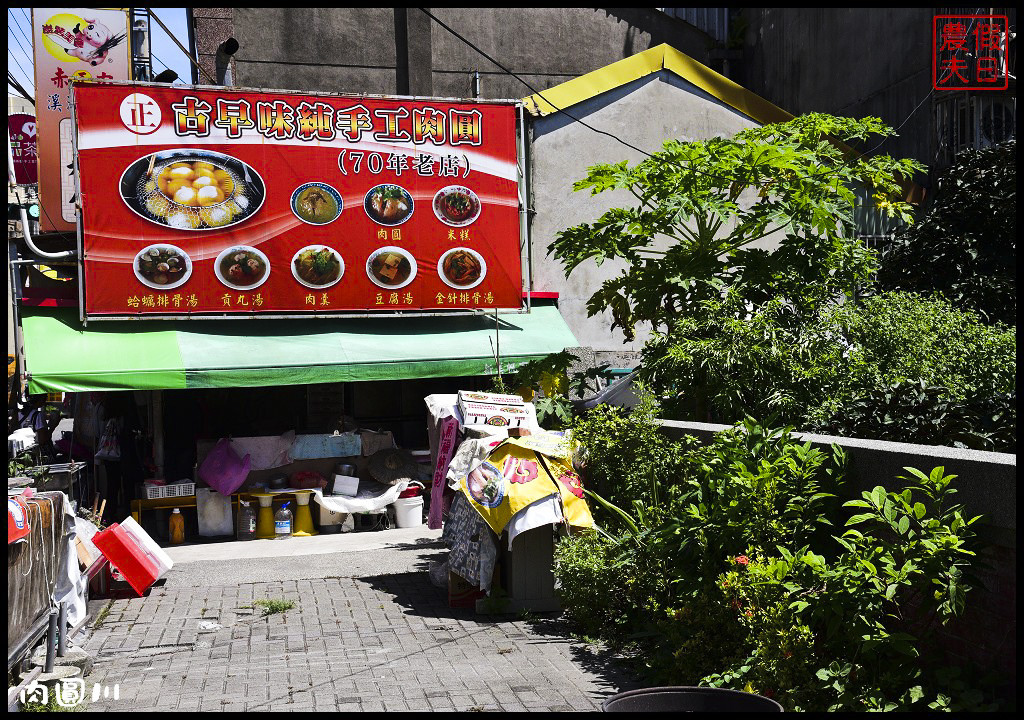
972 120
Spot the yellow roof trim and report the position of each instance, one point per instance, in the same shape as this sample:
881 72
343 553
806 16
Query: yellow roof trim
659 57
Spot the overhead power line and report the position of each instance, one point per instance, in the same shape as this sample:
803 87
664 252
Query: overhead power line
13 82
572 117
17 64
17 25
180 46
533 89
28 53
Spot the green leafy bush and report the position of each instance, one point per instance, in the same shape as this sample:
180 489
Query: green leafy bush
727 361
747 571
626 456
925 372
857 622
916 412
902 336
591 585
896 366
965 246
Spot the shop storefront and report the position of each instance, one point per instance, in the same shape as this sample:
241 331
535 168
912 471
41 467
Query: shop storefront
255 265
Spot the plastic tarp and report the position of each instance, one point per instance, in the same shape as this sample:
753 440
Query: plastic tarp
369 497
39 572
62 355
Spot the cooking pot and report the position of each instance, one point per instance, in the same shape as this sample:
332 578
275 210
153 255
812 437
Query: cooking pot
279 482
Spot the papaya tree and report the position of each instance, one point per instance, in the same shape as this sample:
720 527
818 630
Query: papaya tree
691 246
701 205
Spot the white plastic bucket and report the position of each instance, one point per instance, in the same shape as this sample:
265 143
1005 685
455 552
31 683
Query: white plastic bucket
409 512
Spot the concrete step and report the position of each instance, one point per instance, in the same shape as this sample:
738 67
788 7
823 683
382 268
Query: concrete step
60 672
75 657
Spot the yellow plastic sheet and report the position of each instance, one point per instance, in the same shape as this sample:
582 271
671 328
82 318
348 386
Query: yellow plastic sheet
518 473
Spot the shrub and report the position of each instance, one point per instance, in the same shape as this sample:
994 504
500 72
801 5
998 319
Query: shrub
728 362
748 491
857 623
896 366
916 412
741 575
965 246
925 372
626 456
902 336
591 585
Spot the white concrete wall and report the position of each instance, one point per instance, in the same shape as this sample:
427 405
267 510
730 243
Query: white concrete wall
643 113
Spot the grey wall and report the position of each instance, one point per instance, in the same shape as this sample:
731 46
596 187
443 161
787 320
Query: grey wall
401 51
547 46
984 636
846 61
643 113
986 482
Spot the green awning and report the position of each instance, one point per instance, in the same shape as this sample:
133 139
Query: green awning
63 356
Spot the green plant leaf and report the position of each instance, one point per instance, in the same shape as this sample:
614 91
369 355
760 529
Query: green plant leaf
860 518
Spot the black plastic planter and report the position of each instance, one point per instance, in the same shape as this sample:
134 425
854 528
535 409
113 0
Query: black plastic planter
688 699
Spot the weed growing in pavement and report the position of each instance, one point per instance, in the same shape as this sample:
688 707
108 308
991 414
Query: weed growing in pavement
102 615
272 607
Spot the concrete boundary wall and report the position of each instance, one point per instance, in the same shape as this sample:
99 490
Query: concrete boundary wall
986 482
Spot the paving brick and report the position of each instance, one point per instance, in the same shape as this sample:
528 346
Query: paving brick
376 644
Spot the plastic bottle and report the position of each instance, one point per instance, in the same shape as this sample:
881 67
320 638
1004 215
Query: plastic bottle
177 530
283 521
246 521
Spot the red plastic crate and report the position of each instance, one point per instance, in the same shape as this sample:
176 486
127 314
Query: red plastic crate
130 560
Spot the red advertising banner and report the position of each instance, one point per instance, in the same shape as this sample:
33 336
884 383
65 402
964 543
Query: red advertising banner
212 201
70 44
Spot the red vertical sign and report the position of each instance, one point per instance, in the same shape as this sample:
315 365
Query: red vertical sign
70 44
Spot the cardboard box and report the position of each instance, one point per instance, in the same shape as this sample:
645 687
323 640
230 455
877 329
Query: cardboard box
345 485
461 593
478 413
492 398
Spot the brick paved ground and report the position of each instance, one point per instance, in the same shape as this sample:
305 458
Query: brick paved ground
387 642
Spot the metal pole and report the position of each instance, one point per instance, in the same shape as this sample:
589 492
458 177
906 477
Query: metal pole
11 185
157 427
19 340
51 640
62 630
524 198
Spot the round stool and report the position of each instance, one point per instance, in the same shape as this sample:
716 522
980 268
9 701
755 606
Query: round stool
265 516
303 519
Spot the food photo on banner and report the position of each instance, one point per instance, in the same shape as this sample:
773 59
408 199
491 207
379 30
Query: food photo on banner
209 202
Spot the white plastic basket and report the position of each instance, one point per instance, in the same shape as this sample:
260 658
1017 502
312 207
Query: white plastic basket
164 491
